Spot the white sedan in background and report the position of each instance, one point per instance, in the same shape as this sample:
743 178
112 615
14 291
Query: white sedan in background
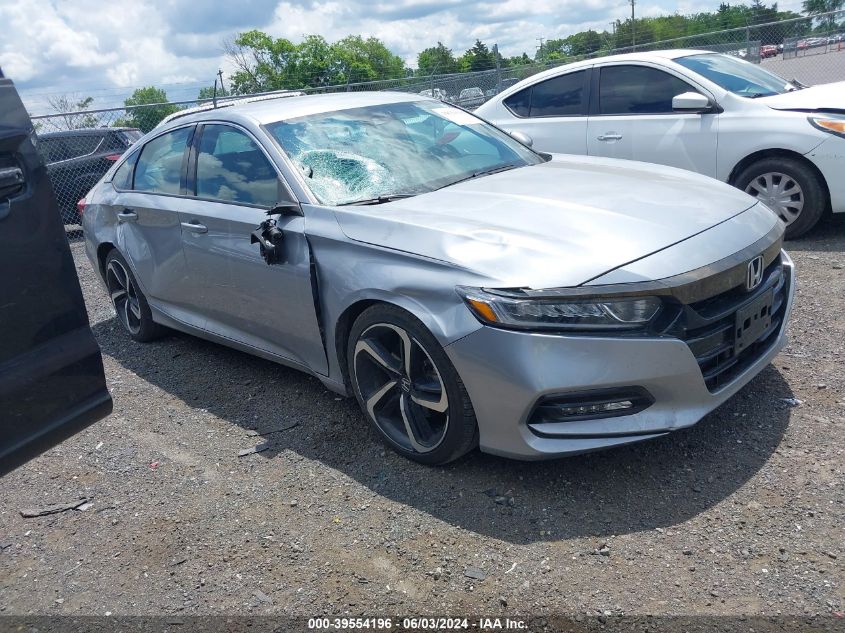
710 113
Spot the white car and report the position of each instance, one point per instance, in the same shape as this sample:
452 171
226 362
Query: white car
706 112
435 93
471 97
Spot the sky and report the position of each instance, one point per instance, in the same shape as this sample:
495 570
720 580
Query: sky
105 49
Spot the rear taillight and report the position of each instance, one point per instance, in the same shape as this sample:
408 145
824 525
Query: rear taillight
113 157
80 206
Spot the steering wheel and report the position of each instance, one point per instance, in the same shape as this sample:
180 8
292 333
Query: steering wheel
443 150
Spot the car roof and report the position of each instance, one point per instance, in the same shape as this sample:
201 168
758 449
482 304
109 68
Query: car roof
663 55
674 53
271 110
88 131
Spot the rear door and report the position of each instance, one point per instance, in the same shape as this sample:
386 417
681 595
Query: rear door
632 118
147 211
51 372
553 113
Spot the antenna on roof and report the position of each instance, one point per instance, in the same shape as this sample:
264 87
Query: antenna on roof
222 89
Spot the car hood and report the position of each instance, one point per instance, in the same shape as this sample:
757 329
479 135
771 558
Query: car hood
559 223
825 97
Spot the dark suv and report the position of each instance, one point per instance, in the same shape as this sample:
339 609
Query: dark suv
51 372
77 159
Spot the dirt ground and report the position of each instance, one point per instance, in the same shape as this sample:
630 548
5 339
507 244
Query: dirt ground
741 514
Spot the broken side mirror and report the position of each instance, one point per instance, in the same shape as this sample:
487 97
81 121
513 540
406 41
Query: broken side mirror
289 209
270 240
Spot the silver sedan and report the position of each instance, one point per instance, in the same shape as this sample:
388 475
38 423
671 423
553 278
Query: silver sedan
466 289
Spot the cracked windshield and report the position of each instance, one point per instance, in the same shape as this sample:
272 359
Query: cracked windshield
375 153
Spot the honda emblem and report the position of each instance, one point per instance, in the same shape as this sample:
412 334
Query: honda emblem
755 273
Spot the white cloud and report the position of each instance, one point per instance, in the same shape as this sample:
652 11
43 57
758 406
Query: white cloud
104 48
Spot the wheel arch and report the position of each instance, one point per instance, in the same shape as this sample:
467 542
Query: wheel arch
779 153
343 327
103 251
445 320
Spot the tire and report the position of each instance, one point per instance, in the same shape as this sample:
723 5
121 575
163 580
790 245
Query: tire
129 302
423 413
771 179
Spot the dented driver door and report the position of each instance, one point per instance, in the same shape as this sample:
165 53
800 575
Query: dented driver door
269 307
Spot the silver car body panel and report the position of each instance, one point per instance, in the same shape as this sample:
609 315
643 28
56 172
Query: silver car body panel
481 225
567 224
507 372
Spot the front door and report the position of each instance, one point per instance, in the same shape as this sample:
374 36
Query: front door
632 118
268 307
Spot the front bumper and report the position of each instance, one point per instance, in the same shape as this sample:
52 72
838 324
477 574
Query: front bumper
829 157
507 372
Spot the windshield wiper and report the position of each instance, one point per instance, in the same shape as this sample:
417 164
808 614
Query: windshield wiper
379 199
757 95
486 172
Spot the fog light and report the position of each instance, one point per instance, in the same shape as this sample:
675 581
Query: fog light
617 405
596 404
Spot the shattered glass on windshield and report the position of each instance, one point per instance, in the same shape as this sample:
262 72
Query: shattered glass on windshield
344 176
393 149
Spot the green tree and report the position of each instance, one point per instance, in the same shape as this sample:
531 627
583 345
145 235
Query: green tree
520 60
437 60
266 63
73 112
817 7
479 57
261 62
359 59
577 45
208 93
146 108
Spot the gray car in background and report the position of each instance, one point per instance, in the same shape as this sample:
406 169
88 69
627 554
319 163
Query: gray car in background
464 288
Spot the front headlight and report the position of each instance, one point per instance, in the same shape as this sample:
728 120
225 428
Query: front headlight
828 124
622 313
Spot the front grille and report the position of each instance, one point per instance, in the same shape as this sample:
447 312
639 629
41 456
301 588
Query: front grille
709 327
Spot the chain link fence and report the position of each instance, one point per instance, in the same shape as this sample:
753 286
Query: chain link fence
79 147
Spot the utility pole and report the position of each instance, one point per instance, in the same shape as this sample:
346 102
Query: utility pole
498 69
220 74
633 27
540 48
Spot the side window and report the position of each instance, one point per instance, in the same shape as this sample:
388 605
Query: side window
122 178
84 144
231 167
520 102
559 96
159 168
638 90
53 149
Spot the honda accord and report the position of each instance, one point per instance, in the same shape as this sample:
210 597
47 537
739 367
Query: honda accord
466 289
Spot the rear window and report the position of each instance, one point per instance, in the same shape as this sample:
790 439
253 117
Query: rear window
520 102
121 139
123 176
131 135
558 96
59 148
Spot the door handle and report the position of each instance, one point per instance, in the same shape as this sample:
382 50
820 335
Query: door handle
610 136
195 227
127 215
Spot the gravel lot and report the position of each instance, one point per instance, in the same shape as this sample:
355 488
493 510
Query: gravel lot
816 66
741 514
